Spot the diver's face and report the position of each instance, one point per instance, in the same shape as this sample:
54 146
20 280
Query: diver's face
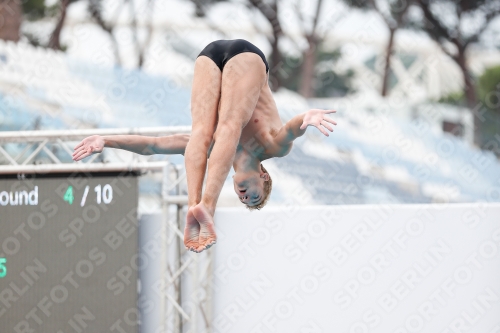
249 189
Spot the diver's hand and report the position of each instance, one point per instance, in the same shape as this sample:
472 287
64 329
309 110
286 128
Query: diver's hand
90 145
318 119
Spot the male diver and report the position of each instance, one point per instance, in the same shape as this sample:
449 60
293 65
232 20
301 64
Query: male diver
236 120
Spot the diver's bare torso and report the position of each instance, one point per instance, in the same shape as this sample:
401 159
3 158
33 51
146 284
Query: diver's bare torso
257 137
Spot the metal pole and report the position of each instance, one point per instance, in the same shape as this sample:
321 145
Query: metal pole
179 249
209 293
165 209
67 135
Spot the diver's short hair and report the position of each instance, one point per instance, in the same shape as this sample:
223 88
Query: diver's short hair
268 186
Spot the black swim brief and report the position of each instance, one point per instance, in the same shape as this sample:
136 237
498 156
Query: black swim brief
221 51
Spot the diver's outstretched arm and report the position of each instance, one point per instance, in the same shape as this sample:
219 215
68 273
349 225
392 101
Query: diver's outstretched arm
144 145
297 126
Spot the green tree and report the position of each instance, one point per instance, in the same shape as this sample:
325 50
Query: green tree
394 15
309 56
489 88
36 10
55 37
455 26
269 9
12 12
325 81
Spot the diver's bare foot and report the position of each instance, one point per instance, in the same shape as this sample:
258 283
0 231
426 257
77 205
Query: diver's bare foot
207 228
191 231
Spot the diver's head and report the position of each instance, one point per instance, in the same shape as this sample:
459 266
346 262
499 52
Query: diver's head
253 188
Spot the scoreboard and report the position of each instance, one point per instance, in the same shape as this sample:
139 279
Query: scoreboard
69 253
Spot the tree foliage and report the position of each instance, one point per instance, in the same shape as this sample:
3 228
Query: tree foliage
36 9
326 82
394 15
455 25
269 9
489 88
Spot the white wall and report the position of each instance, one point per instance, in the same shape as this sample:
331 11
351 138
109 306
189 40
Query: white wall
358 269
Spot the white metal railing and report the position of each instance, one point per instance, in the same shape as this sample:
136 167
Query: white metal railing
30 144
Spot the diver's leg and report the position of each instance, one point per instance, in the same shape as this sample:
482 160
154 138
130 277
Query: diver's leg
205 98
243 78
